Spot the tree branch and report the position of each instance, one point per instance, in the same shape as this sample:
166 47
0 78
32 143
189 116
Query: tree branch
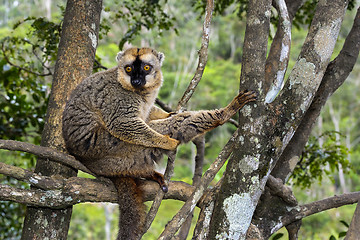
202 57
199 163
42 182
306 210
234 204
44 152
163 105
354 230
172 227
79 190
279 189
160 194
278 58
336 73
201 230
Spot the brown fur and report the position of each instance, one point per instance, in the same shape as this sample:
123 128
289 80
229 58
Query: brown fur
114 129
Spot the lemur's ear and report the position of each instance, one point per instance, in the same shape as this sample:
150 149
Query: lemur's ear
161 57
119 55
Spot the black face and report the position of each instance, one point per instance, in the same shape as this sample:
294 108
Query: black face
137 72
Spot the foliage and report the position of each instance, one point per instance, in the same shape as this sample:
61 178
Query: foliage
137 14
24 63
318 160
302 18
23 66
11 214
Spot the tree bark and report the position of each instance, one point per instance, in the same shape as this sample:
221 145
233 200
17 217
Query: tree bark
266 129
271 207
336 73
233 211
354 230
75 60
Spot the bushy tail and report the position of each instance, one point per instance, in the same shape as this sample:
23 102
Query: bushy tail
132 208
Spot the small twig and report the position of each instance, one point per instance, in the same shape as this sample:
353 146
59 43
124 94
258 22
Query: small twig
43 64
44 152
98 65
172 227
163 105
202 57
233 122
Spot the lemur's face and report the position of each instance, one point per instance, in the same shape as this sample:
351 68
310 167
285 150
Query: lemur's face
140 69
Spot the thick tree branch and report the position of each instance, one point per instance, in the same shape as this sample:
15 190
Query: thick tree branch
78 190
278 58
44 152
311 57
279 189
42 182
203 55
266 129
336 73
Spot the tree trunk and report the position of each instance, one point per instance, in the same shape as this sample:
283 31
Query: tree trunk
75 60
266 129
233 211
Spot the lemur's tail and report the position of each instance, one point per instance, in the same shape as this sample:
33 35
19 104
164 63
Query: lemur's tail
132 208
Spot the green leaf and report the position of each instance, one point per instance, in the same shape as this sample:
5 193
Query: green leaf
342 234
345 223
277 236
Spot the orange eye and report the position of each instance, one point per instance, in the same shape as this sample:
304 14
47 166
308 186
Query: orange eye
146 67
128 69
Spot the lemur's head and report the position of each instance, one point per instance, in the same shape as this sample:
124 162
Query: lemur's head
140 69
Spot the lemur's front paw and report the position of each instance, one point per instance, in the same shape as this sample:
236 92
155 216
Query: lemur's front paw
247 96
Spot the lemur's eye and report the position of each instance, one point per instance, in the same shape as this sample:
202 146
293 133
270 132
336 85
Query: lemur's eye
146 67
128 69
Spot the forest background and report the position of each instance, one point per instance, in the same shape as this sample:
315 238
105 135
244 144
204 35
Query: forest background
25 85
